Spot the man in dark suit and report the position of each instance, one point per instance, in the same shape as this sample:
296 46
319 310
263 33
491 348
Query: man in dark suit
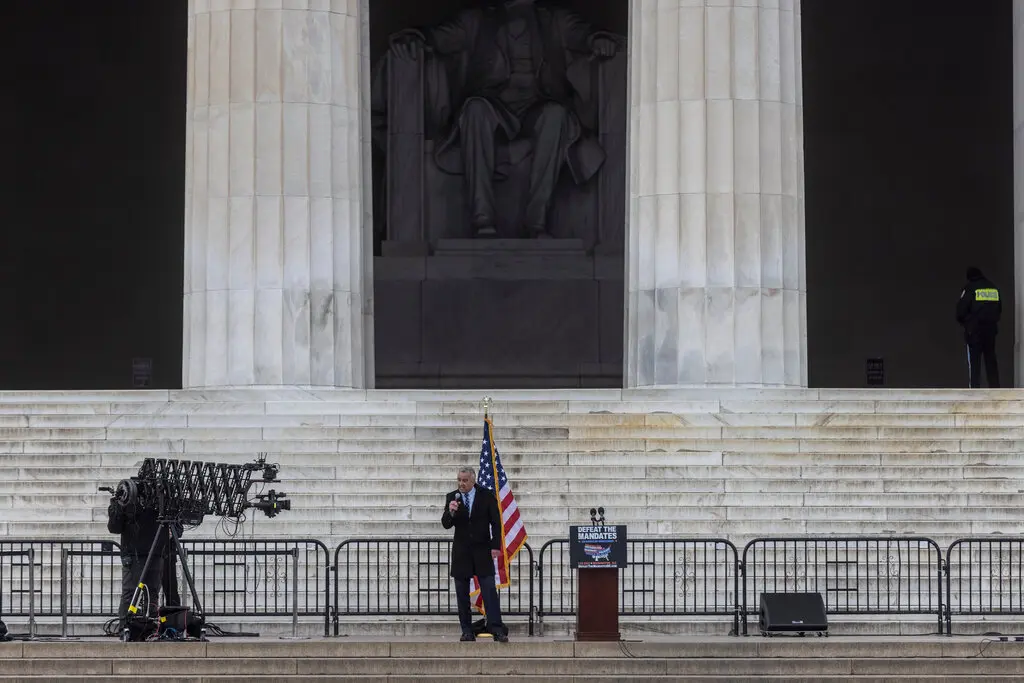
473 511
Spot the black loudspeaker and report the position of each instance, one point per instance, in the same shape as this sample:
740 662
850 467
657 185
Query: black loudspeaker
793 613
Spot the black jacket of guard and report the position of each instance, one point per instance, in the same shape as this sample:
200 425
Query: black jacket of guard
980 319
476 535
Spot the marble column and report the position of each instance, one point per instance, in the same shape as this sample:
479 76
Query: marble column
715 265
278 258
1018 189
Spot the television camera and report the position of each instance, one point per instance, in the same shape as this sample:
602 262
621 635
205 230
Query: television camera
183 492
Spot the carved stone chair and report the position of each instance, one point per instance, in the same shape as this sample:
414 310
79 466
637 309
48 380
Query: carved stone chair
424 204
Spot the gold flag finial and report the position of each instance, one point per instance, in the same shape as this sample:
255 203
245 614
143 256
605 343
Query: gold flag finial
487 405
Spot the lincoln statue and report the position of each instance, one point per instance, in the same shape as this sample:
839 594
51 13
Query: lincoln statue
510 83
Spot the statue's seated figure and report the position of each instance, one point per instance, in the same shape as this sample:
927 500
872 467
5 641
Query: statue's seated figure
479 116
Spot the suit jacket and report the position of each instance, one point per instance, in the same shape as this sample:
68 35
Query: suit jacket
476 535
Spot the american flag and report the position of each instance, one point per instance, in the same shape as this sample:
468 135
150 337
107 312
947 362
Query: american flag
513 532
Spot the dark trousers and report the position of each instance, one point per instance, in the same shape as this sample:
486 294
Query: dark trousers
978 351
131 575
547 124
491 605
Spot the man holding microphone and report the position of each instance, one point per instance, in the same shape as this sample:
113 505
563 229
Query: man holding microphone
473 511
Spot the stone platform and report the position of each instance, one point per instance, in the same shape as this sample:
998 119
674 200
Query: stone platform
731 463
691 660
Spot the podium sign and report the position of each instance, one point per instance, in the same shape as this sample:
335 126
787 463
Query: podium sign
597 553
597 547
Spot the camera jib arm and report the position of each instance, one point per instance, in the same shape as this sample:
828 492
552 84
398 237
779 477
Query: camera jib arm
183 492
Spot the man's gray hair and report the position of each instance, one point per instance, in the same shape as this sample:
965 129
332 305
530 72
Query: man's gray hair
468 470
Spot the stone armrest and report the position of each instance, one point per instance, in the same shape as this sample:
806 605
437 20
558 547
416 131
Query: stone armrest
410 95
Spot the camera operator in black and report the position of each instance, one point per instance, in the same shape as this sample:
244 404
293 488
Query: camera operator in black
138 528
4 636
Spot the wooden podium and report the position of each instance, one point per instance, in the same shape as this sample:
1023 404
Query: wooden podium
597 604
596 553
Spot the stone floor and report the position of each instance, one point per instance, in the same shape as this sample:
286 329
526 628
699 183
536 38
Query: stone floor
932 658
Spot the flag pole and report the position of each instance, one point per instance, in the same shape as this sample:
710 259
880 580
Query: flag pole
487 406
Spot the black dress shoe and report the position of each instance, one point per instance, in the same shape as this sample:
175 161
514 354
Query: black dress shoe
467 638
500 638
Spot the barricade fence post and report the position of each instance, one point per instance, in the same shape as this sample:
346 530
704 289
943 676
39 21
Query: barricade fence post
31 593
295 597
63 593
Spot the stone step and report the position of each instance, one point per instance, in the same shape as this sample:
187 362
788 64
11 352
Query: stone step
331 531
825 423
579 478
749 659
752 495
545 678
741 403
516 434
523 666
634 629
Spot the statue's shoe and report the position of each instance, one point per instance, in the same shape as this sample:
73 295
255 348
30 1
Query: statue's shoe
486 231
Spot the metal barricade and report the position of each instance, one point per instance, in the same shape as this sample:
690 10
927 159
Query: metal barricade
984 577
30 555
103 595
668 577
261 577
89 584
409 577
854 575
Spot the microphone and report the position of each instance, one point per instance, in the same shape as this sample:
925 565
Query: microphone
458 497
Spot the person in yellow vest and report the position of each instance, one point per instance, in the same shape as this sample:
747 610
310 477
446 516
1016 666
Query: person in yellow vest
978 311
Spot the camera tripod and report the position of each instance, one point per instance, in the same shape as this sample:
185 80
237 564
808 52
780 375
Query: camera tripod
166 527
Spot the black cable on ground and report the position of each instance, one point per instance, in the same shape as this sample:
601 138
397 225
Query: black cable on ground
214 630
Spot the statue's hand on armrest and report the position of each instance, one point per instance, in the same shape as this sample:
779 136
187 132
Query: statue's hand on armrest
409 45
604 45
